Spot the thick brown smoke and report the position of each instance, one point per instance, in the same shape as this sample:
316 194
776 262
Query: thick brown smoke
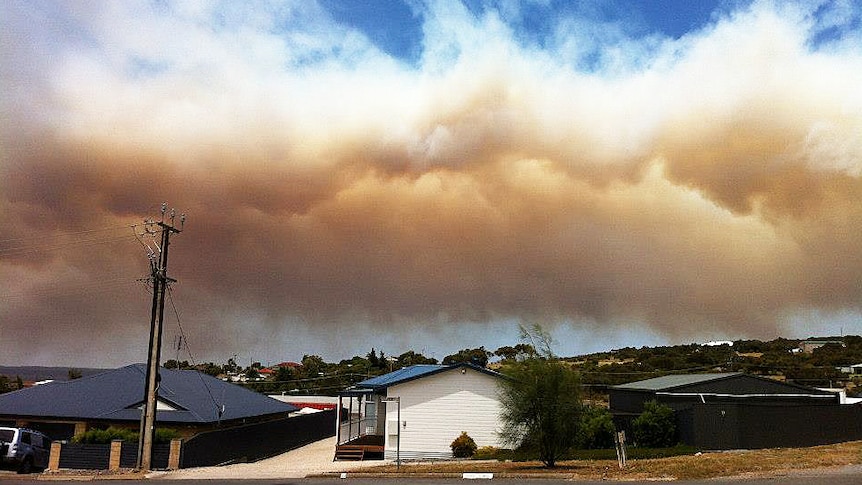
717 192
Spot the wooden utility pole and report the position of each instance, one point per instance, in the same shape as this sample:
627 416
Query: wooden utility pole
159 271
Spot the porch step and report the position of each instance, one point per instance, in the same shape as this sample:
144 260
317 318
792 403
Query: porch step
350 453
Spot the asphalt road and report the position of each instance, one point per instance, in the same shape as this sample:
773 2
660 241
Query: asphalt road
832 479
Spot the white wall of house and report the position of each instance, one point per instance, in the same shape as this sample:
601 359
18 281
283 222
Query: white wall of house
435 410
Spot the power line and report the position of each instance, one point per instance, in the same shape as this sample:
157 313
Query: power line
59 241
189 350
73 233
94 286
31 249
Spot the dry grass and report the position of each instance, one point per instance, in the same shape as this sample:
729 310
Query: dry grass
707 465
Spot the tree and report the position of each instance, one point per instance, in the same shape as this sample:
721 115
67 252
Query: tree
312 365
372 358
513 353
478 357
284 373
655 427
412 358
541 404
74 374
506 352
210 369
5 385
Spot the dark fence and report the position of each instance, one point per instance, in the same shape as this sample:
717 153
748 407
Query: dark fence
753 426
256 441
87 456
158 460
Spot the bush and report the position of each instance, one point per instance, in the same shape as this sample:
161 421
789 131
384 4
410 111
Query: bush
164 435
494 453
655 427
486 453
463 446
597 429
94 436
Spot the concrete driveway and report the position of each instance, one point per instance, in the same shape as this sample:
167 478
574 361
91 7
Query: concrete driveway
311 459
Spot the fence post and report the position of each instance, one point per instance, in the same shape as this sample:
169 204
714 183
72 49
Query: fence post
114 457
54 457
174 456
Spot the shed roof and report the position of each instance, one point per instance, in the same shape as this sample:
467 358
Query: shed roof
418 371
664 383
733 382
117 395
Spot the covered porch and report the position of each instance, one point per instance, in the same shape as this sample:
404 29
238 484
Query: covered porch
361 425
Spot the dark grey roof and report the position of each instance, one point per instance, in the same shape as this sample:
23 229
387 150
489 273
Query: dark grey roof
406 374
673 381
116 395
736 383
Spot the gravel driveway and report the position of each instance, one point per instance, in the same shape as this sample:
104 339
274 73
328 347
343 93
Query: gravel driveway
308 460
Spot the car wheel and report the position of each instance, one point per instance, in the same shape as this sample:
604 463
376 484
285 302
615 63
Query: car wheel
26 466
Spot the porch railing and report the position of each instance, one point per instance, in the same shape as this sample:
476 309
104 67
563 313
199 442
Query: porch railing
356 427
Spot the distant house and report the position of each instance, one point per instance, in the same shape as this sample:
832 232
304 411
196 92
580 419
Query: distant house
718 343
322 403
738 411
851 369
189 402
808 346
416 412
265 372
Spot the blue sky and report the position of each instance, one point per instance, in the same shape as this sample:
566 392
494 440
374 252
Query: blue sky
428 175
395 26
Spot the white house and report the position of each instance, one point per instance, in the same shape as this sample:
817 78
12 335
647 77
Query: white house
851 369
416 412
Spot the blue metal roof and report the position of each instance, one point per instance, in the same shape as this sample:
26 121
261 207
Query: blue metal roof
406 374
116 395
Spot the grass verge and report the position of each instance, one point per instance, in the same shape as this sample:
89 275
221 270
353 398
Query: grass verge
699 466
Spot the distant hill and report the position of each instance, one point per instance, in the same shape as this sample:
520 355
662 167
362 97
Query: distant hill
39 373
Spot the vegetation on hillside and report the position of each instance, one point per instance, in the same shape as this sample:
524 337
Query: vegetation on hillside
777 358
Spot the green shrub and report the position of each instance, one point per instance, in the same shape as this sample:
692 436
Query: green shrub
164 435
106 435
93 436
463 446
655 427
597 429
494 453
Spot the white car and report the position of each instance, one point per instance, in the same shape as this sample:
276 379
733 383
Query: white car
24 450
